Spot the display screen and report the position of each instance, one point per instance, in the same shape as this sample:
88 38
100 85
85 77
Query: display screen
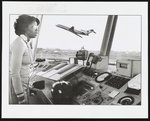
123 65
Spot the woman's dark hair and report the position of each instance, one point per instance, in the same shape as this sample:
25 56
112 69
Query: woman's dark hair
22 22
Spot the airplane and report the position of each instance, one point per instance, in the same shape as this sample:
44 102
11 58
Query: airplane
76 32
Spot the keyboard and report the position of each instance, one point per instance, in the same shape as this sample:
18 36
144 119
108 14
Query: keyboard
116 81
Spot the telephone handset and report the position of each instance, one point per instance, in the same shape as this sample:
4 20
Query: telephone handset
95 59
90 58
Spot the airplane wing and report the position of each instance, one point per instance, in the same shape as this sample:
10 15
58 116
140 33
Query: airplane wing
71 29
77 31
77 34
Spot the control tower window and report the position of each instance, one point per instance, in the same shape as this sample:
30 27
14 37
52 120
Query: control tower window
127 39
56 43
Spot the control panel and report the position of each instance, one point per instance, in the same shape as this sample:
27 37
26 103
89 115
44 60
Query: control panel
89 87
95 97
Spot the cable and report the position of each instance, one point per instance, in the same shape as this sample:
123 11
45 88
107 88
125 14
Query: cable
28 82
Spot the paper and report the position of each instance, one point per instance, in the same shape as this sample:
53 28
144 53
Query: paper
113 94
135 83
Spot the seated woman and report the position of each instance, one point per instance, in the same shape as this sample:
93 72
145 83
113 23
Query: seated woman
21 58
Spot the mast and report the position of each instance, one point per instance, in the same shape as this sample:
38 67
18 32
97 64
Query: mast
34 57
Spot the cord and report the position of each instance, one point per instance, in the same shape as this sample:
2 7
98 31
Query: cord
28 82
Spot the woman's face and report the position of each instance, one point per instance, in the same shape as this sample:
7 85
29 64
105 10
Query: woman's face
32 30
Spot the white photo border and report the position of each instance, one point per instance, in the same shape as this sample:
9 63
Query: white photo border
77 111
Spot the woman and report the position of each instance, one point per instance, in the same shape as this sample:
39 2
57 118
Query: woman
26 27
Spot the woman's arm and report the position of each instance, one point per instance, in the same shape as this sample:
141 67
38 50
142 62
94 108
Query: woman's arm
17 51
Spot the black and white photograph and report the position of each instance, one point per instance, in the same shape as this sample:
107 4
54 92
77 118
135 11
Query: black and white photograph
66 60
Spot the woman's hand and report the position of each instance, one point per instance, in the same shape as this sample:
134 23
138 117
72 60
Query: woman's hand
23 102
21 98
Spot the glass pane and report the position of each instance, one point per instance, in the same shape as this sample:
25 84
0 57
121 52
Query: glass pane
127 39
58 43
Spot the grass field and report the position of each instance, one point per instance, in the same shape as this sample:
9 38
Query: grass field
66 54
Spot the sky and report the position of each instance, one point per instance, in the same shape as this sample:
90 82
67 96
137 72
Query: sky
127 35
